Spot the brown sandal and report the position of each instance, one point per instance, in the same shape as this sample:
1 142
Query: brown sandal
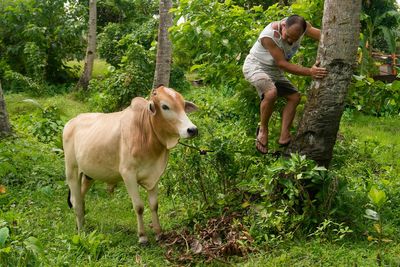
258 142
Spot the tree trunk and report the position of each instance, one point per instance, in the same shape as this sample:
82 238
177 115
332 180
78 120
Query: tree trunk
164 47
5 128
91 48
318 128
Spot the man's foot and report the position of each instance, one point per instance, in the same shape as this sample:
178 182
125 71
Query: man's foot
261 141
285 141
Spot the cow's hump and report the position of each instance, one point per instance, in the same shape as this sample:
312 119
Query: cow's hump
139 103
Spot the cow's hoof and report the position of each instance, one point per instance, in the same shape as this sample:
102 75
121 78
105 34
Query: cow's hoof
143 240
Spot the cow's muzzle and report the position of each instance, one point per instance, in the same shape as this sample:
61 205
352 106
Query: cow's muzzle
192 131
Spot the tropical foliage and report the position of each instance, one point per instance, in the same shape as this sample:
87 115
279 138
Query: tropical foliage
48 34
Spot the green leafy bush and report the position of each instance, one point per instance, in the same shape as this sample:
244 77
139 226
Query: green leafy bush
291 194
16 82
374 97
115 39
37 46
46 125
223 122
215 38
133 79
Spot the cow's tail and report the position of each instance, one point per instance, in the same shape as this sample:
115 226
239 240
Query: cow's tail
69 199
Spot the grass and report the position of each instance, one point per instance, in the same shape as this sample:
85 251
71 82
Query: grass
67 105
315 253
100 67
373 131
38 207
46 216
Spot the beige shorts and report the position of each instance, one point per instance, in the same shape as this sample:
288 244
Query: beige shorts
264 78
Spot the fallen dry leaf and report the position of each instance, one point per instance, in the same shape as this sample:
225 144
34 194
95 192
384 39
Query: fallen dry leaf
196 247
219 238
2 189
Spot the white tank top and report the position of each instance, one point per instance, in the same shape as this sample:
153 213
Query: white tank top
263 55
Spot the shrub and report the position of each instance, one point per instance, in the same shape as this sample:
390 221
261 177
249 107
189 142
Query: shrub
374 97
16 82
290 195
46 126
215 38
43 41
133 79
115 40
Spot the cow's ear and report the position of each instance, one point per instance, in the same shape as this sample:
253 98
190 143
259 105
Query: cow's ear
152 108
190 107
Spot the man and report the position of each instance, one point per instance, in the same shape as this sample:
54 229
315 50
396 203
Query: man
264 68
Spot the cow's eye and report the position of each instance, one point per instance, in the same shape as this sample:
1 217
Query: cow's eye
165 107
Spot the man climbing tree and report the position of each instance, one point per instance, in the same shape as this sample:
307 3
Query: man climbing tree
317 131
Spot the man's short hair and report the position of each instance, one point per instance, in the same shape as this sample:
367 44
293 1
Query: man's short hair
296 19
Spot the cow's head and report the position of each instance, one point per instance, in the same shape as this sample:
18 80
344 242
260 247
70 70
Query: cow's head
170 121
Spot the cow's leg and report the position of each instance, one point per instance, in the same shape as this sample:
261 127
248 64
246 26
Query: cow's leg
153 201
74 183
86 184
133 190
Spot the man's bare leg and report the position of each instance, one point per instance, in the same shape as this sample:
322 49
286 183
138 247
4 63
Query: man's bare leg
266 109
287 117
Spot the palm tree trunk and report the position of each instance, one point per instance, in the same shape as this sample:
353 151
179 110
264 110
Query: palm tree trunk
5 128
91 48
318 128
164 47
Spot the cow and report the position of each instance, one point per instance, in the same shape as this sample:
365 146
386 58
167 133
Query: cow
131 145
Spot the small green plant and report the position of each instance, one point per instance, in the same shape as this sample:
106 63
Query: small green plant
17 249
93 244
377 199
4 234
332 231
48 126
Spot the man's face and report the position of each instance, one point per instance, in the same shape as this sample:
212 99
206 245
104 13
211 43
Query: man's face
291 34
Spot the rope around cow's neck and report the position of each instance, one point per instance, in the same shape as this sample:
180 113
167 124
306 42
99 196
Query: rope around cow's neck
201 151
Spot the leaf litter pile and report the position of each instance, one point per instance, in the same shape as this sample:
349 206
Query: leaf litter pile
220 238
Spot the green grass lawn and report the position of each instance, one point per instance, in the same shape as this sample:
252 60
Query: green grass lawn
100 68
67 104
377 132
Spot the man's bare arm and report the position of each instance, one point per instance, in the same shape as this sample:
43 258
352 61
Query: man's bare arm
280 60
313 32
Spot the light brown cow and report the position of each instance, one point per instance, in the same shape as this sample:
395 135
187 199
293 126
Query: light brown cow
131 145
